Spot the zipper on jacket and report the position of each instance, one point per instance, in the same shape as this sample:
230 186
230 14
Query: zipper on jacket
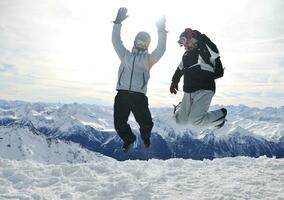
143 81
132 72
120 76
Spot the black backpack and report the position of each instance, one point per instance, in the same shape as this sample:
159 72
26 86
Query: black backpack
205 54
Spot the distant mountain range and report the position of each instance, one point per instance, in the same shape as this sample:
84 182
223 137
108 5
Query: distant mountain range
78 132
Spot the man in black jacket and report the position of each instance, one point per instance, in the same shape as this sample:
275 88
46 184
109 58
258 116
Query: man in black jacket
200 65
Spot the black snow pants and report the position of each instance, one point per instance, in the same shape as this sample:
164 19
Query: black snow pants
137 103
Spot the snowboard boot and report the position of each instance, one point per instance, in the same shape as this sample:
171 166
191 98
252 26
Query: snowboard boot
224 110
147 143
127 145
175 107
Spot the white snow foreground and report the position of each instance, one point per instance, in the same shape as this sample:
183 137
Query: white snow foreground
226 178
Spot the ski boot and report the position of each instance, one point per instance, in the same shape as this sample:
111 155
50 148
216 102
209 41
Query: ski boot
224 110
147 143
127 145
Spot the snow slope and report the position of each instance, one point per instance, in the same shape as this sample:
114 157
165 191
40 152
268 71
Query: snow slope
36 164
23 142
227 178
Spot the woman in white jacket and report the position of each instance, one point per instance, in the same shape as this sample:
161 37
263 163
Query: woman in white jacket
133 76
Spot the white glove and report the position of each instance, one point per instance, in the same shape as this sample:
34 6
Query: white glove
121 15
161 24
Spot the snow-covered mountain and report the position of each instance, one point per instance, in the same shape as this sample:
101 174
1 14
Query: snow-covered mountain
20 140
249 131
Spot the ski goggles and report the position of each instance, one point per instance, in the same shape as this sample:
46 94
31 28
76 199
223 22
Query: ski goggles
141 44
183 40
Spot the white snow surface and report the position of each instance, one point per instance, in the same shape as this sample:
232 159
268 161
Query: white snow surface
35 167
226 178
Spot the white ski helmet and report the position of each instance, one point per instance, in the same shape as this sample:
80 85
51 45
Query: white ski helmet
142 40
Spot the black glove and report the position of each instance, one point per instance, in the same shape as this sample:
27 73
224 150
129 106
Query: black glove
121 15
174 88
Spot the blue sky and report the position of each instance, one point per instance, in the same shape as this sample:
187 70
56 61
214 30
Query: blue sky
61 51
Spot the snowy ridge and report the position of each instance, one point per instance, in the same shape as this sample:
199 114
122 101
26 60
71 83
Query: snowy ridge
248 132
267 123
21 141
227 178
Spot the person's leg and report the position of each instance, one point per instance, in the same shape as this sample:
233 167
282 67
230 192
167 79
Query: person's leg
141 112
183 109
121 114
199 115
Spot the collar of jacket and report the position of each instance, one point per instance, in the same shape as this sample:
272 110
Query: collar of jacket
136 51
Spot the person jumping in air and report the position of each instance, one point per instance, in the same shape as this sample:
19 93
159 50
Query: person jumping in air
133 76
200 65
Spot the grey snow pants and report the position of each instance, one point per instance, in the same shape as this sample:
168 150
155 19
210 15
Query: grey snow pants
194 110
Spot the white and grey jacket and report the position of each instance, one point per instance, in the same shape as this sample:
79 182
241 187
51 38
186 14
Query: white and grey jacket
134 70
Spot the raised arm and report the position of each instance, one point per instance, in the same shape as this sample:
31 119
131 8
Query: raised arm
162 40
116 39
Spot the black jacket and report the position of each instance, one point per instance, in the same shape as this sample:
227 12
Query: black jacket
197 66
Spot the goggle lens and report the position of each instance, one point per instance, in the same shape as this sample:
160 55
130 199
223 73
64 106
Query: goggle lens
182 41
